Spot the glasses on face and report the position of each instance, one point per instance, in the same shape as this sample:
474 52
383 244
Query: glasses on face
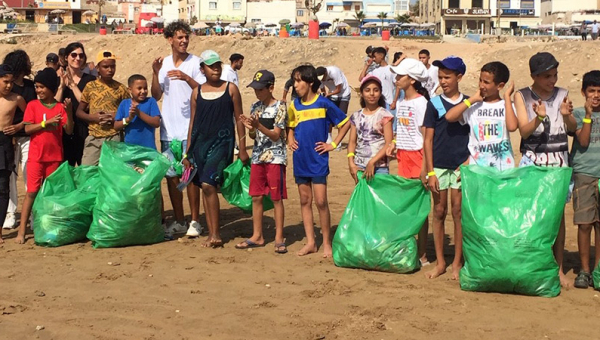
74 55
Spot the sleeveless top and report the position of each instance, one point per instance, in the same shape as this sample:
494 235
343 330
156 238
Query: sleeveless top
548 144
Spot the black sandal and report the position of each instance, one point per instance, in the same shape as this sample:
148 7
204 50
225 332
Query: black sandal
280 245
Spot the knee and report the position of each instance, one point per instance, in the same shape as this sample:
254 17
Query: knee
440 211
322 203
586 228
257 199
456 212
305 199
208 189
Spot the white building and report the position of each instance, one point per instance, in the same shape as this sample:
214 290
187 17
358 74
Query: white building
569 11
271 11
346 10
516 13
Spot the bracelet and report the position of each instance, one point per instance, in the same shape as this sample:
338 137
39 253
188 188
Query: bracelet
125 122
467 102
541 118
43 124
184 156
351 154
394 141
431 173
334 144
587 121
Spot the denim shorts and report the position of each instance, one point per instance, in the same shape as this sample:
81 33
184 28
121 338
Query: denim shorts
313 180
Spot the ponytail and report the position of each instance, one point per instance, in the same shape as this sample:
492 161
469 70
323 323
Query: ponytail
421 90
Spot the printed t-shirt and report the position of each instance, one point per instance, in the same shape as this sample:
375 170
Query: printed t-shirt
386 76
369 136
230 75
266 150
335 77
311 121
103 97
450 140
585 160
409 120
46 145
432 81
489 139
175 120
137 131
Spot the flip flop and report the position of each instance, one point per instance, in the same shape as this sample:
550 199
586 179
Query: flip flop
249 244
281 251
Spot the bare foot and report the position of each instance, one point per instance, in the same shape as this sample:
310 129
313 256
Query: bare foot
456 271
327 251
564 281
212 242
20 239
437 271
308 249
1 240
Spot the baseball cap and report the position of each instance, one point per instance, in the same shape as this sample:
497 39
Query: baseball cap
262 79
52 58
5 69
106 54
542 62
453 63
209 57
412 68
369 78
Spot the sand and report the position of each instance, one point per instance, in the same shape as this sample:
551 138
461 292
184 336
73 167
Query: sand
178 290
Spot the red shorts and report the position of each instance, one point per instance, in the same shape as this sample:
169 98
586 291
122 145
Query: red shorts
37 172
268 179
409 163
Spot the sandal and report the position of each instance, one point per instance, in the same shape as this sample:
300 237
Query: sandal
278 247
583 280
247 244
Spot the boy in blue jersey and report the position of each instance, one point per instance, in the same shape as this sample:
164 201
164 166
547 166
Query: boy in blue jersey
138 116
310 116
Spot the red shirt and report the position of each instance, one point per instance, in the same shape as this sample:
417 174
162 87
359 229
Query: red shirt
46 145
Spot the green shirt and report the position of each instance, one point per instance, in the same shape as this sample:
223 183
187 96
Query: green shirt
585 160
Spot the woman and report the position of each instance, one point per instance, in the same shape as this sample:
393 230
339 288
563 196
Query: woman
72 83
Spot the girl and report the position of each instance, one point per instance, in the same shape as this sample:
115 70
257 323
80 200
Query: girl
408 144
370 132
211 137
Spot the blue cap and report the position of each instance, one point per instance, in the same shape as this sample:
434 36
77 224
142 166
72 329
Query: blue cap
453 63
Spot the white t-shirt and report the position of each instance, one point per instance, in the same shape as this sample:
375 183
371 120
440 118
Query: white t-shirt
384 74
489 140
230 75
335 77
433 81
175 113
409 120
595 28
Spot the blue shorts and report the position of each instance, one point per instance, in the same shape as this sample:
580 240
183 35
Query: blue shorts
378 171
166 151
313 180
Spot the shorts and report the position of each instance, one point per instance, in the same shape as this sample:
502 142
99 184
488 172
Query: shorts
166 151
93 147
268 179
526 161
313 180
37 172
410 163
586 200
448 178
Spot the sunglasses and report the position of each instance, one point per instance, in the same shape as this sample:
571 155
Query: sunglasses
75 55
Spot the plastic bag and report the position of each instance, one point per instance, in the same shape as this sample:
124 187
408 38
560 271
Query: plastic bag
596 277
236 184
510 221
62 211
128 206
176 148
378 228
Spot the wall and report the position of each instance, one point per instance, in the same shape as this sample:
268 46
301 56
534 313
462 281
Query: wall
515 13
271 12
224 10
573 5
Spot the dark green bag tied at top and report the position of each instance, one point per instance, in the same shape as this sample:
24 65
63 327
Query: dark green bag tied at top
236 184
128 206
377 230
596 277
62 211
510 220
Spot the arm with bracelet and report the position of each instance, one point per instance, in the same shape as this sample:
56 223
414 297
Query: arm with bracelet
351 153
456 113
584 129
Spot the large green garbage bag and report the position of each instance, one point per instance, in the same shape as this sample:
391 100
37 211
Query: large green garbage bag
510 221
236 183
378 228
128 206
596 277
62 211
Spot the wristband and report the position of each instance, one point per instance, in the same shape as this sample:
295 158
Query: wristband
184 156
351 154
43 124
467 102
431 173
334 144
125 122
541 118
394 141
587 121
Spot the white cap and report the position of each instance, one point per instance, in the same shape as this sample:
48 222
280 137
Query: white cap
412 68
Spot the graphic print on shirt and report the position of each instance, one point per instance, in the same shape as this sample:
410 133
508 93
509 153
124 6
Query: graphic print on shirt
491 144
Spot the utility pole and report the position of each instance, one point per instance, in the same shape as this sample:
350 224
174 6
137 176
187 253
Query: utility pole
498 13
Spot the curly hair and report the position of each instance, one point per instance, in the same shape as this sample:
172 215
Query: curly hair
177 25
19 61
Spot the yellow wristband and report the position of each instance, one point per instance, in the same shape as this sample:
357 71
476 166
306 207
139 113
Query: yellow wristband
394 141
184 156
541 118
467 102
334 144
351 154
431 173
125 122
587 121
43 124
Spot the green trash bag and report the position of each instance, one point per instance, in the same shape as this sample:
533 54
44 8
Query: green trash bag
236 184
62 211
510 220
128 206
377 230
596 277
176 148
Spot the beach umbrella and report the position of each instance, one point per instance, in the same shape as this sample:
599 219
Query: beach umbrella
324 25
200 25
235 24
89 13
157 20
149 24
297 24
57 11
284 21
343 24
270 24
250 25
370 24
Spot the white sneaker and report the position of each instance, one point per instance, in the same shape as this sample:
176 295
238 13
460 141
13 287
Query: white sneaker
10 222
194 230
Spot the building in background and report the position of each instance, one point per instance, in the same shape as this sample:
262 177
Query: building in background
345 11
457 16
225 11
270 11
569 11
516 13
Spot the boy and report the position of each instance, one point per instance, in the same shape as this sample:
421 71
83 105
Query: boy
52 61
383 73
267 123
335 85
446 148
101 98
490 119
9 102
310 116
230 72
289 85
586 172
44 120
543 111
433 82
138 116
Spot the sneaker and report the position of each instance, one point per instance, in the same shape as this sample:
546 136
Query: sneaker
194 230
10 222
583 280
175 228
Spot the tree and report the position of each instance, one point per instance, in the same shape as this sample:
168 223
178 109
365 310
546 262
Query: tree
415 9
360 16
403 19
382 16
194 20
100 5
314 6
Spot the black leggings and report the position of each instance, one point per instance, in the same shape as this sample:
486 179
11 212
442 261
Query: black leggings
4 193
